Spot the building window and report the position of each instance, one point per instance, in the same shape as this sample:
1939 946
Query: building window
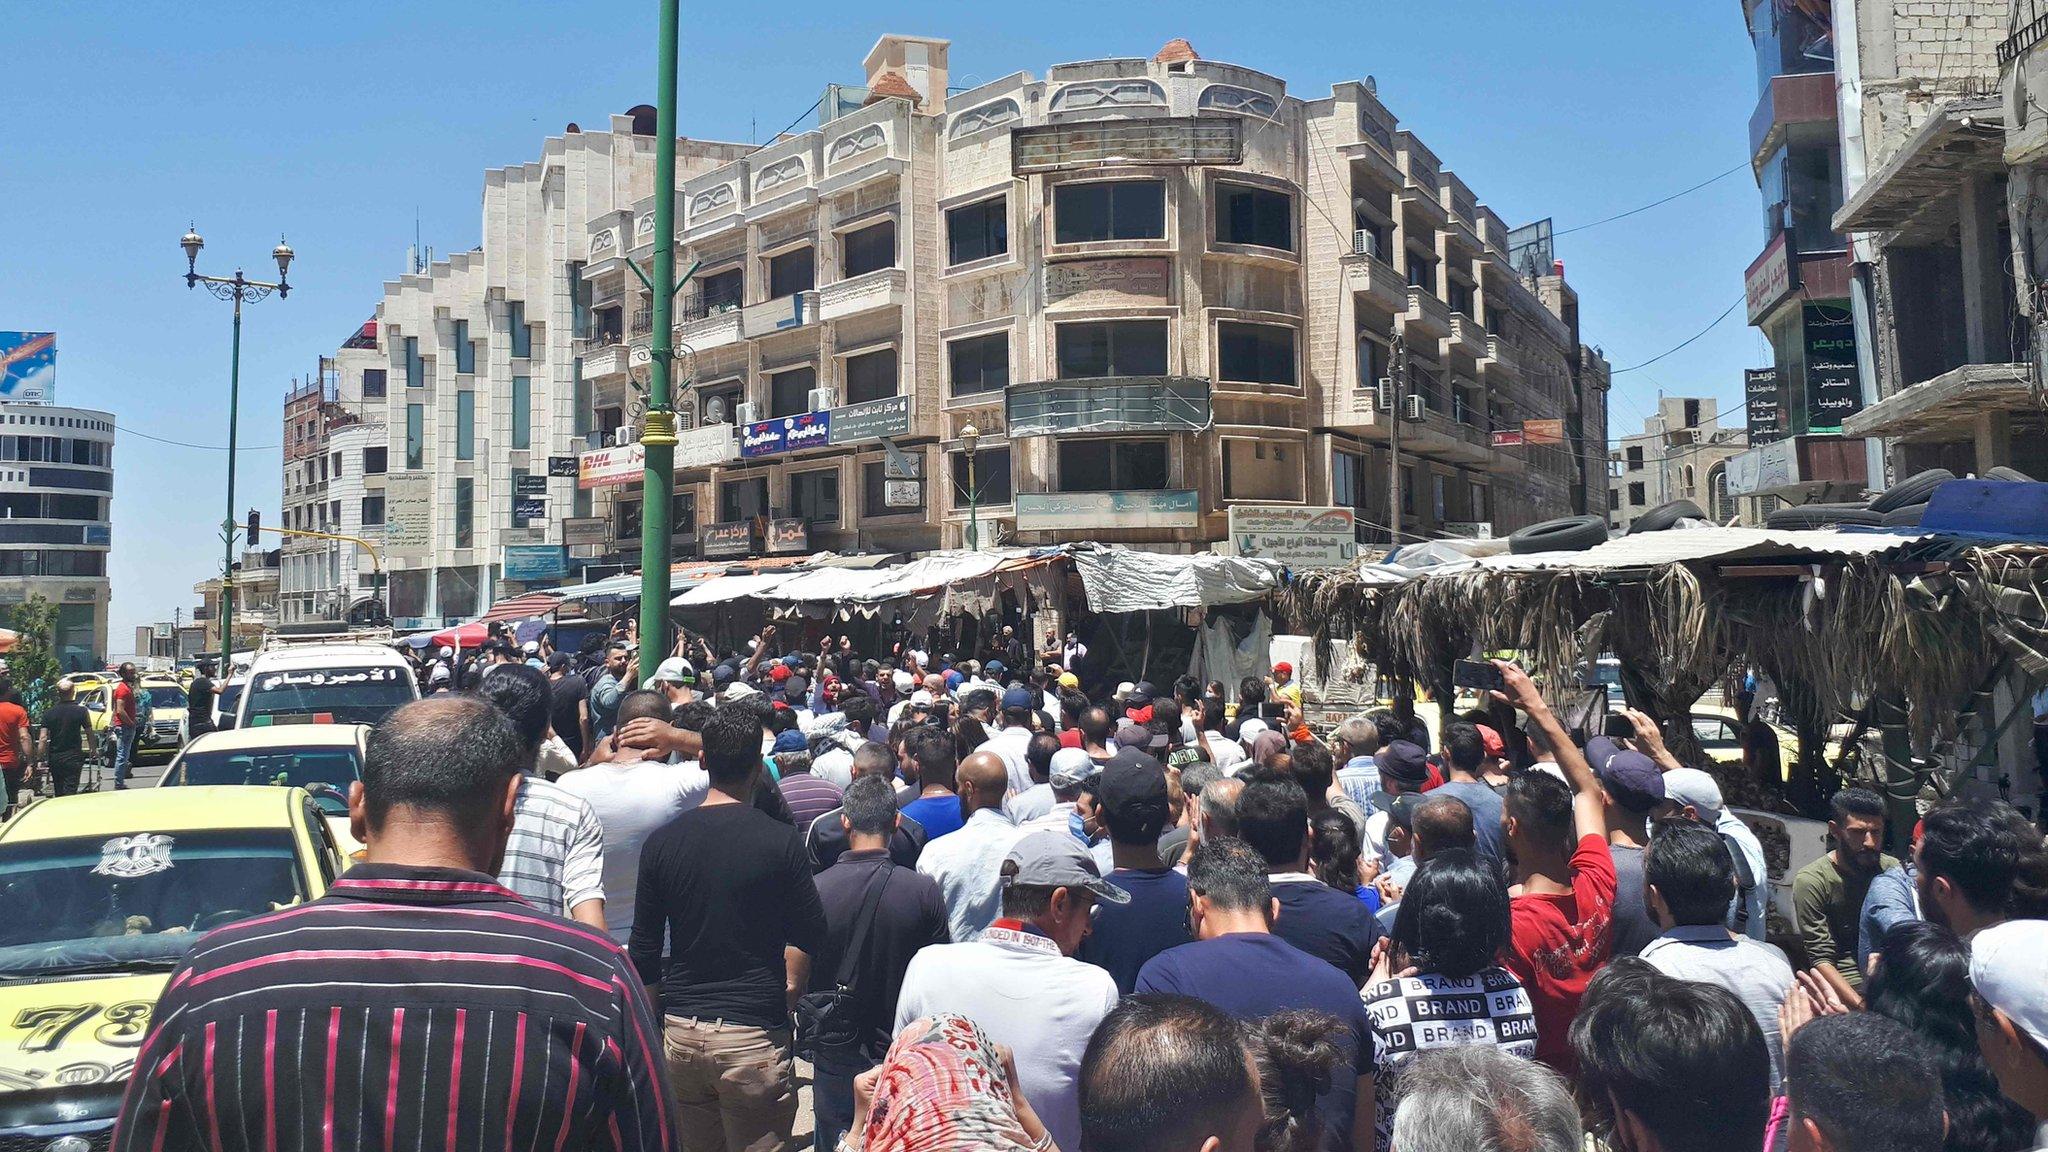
871 376
814 497
876 489
415 436
682 514
465 348
1438 503
1112 348
978 231
742 499
1636 498
1481 513
373 511
979 364
1373 363
870 249
1257 216
1109 210
465 512
1261 470
1112 465
1685 474
1344 475
579 298
376 461
1460 296
789 393
1407 489
721 291
373 383
465 425
1421 272
792 272
1635 457
1255 353
415 370
522 332
522 412
991 484
1614 499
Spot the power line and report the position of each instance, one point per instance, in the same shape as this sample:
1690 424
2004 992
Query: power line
125 431
1695 336
1653 203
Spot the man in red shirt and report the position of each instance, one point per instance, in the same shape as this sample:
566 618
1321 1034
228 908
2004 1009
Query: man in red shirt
127 701
1561 903
14 739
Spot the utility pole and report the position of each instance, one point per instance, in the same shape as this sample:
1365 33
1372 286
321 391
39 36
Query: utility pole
1397 393
658 435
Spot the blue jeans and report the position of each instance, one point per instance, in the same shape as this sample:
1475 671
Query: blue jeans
124 752
831 1107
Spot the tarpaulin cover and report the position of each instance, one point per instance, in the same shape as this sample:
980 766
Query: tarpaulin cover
1121 580
723 588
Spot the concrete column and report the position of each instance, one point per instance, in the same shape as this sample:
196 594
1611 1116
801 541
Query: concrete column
1994 440
1983 272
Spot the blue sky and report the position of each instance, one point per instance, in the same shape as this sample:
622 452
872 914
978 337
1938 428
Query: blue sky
336 124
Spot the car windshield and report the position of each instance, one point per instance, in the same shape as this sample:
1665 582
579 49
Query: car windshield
85 901
283 766
166 696
342 695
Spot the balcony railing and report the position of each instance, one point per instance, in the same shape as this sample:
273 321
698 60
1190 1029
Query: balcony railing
1109 404
643 322
698 305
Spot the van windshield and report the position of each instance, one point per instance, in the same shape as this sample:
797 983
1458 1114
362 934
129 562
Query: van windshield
328 695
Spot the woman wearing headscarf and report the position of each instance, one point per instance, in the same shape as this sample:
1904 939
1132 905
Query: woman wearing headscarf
944 1087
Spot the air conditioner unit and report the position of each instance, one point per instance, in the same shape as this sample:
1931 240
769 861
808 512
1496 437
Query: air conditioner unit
1383 394
746 413
821 399
1365 242
1417 408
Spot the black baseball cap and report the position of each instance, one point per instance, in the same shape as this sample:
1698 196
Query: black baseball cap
1403 761
1130 780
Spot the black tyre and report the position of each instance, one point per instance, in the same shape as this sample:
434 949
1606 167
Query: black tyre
2008 475
1907 517
1823 516
1569 534
1914 489
1666 515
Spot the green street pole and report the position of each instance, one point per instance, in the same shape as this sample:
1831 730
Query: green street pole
658 439
227 526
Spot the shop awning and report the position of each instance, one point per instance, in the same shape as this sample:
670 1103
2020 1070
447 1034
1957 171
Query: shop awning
1124 580
1946 407
1914 193
522 607
729 588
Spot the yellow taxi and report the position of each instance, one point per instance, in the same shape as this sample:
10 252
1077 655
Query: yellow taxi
101 895
162 711
324 759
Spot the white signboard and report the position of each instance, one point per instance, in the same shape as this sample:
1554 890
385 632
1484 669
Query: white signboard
606 467
1761 469
1298 536
408 513
707 446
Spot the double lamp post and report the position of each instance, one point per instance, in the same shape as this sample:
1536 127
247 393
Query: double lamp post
236 288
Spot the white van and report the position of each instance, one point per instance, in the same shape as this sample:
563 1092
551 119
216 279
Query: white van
325 684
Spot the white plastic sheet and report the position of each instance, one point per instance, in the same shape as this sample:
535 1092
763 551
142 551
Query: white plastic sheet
1122 580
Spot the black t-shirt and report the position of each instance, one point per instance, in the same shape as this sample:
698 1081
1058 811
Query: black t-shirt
66 724
909 914
199 704
568 692
726 888
1125 936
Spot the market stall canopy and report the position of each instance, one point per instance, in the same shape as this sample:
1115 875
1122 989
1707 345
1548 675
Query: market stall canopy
521 607
470 635
1122 580
727 588
1654 549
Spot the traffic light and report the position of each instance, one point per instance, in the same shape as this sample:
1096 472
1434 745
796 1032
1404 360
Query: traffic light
255 526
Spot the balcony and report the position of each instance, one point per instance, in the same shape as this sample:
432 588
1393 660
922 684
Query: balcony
781 314
609 360
1425 205
882 288
1807 98
1365 273
1466 338
1108 404
1502 363
708 320
1426 318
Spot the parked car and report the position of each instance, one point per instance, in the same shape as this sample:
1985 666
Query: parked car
324 759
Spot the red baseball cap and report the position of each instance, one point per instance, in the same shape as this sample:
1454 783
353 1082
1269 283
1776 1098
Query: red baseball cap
779 673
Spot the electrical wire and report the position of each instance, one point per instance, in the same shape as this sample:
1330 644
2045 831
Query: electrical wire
126 431
1651 204
1688 340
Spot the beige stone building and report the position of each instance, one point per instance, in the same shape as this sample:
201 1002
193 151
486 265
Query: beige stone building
1153 288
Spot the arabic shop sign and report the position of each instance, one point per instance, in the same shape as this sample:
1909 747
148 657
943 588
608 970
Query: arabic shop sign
715 541
1766 407
873 420
1298 536
786 434
1833 391
1770 278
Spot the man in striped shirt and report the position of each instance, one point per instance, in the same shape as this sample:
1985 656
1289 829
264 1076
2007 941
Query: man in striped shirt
418 1002
554 858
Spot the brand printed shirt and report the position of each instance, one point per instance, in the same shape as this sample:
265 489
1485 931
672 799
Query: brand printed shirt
1414 1014
1556 943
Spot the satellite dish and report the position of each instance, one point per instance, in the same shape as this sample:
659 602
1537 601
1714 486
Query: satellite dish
714 410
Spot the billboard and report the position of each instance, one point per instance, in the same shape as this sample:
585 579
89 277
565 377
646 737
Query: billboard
607 467
528 563
28 367
408 513
1295 535
1833 389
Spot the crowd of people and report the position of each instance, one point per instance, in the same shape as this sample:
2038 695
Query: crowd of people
993 910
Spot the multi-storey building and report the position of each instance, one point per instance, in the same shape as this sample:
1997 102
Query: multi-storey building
256 591
470 384
56 485
1152 288
1681 454
334 441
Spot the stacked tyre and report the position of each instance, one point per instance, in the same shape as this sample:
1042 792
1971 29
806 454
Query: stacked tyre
1899 506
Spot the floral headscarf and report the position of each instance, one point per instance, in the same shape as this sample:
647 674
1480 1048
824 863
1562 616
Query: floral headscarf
942 1089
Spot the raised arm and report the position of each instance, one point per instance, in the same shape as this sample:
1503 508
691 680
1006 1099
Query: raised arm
1589 807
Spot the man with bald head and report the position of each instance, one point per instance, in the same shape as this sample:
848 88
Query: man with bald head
968 864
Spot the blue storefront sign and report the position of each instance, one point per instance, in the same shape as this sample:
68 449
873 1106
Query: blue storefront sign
786 434
527 563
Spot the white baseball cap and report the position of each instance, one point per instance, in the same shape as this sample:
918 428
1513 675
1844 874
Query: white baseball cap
2009 968
675 669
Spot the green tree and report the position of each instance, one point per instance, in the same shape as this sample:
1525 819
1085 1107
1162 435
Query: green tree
32 664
